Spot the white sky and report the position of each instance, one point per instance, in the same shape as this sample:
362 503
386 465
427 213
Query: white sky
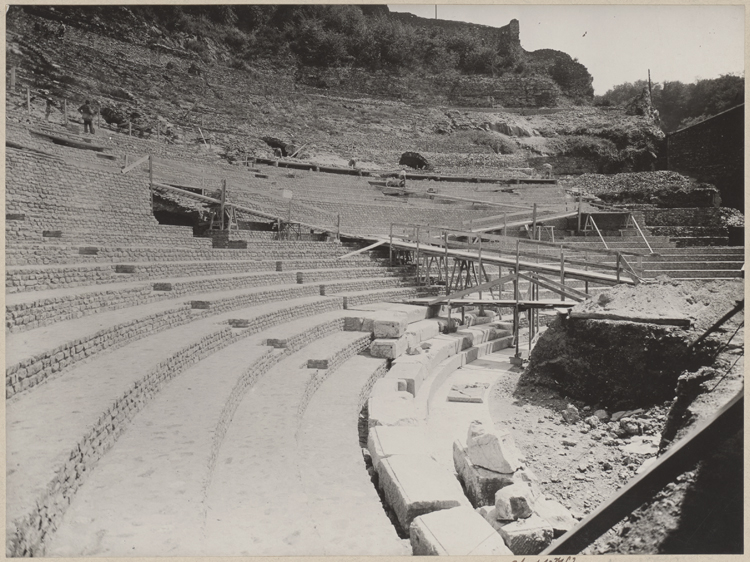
619 43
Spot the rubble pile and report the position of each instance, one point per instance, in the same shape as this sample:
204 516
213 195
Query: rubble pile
662 188
506 492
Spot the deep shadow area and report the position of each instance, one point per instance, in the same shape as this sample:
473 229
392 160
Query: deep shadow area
711 519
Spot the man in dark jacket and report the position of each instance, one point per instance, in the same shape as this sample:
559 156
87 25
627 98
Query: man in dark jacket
88 117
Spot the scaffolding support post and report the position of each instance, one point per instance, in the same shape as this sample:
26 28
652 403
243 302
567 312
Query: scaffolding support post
223 202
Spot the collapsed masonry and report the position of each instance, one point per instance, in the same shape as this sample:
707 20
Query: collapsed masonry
442 512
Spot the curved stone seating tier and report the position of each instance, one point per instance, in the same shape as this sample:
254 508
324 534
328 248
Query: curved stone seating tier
31 309
37 354
49 253
54 195
44 277
170 458
106 393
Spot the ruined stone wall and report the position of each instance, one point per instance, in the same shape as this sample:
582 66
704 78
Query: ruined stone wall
713 151
507 38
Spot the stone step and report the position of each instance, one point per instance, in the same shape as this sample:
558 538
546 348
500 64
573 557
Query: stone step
694 265
351 518
688 241
258 474
32 357
45 277
695 273
29 310
49 252
218 382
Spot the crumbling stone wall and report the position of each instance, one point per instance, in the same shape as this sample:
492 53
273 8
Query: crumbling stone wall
713 151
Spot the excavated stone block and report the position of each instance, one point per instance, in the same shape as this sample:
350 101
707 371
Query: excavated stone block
88 251
480 484
490 515
162 286
527 478
239 323
413 372
353 324
466 340
386 441
455 532
388 348
300 277
492 450
122 268
556 514
416 484
391 408
391 327
279 266
527 536
421 331
317 363
15 217
202 305
470 355
513 502
451 343
52 233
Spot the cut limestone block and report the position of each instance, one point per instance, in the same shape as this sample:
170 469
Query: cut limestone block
440 350
466 339
527 536
392 327
412 372
454 344
513 502
416 484
490 515
473 393
455 532
527 478
388 348
492 450
480 484
556 514
391 408
384 386
385 441
422 331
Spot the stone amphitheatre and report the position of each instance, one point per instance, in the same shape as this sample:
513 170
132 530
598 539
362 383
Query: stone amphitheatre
231 331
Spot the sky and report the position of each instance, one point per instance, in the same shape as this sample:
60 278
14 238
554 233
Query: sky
620 43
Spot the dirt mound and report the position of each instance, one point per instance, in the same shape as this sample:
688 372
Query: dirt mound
663 188
700 302
630 364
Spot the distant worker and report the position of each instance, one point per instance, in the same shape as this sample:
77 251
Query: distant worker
352 163
88 117
48 109
402 178
547 170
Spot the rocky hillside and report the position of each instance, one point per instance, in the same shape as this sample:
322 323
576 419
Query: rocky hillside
141 74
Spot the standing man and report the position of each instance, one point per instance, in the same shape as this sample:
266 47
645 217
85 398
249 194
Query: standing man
88 117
